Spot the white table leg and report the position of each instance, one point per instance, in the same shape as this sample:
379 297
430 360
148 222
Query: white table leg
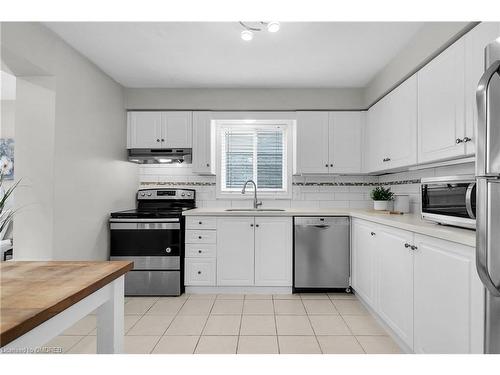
110 320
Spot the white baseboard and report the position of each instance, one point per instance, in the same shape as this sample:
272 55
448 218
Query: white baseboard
239 289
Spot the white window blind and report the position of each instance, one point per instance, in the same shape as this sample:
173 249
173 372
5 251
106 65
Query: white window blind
256 153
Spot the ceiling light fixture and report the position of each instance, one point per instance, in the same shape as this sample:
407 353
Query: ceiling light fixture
249 29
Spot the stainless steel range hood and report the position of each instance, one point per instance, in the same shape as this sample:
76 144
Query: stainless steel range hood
160 156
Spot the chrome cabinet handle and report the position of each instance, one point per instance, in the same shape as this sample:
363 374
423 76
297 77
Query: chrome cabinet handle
458 141
251 225
158 140
331 165
413 247
326 165
256 225
199 251
467 139
199 272
407 245
199 237
208 165
386 159
163 140
199 222
372 233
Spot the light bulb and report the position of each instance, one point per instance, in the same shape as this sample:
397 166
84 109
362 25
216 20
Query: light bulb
246 35
273 26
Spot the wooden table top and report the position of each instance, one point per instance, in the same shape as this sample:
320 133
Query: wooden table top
33 292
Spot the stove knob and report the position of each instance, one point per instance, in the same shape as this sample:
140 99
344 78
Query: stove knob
183 194
149 194
188 194
143 194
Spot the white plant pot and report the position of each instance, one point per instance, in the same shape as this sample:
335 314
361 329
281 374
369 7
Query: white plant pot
381 205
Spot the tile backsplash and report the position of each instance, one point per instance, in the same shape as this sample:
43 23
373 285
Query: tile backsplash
307 191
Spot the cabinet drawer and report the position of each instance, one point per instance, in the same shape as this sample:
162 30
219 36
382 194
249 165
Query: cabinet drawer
201 222
200 250
200 271
200 236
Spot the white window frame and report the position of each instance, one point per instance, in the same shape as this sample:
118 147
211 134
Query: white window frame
287 126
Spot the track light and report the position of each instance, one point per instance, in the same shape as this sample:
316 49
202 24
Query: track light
246 35
273 26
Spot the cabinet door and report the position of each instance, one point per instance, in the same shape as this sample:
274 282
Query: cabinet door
235 251
273 251
441 118
312 142
144 129
177 129
395 281
375 142
401 125
345 137
202 143
448 298
475 42
200 271
363 260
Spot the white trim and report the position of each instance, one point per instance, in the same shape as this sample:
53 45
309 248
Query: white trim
251 123
239 289
110 301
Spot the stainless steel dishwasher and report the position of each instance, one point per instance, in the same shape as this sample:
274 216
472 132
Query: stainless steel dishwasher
321 254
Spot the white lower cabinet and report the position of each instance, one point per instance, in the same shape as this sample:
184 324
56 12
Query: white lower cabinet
449 298
199 271
394 280
363 259
425 289
235 251
273 251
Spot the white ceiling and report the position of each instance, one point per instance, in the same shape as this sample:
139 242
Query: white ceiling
212 54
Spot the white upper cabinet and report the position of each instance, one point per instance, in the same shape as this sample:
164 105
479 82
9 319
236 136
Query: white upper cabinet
441 102
345 140
235 251
312 142
202 143
329 142
155 129
144 129
448 298
391 134
273 251
177 129
475 42
401 125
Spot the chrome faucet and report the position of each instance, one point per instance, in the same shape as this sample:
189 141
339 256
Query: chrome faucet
256 203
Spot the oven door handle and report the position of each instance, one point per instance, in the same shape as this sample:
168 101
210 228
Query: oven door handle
468 200
169 220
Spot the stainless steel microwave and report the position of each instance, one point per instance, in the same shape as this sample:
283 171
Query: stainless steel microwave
449 200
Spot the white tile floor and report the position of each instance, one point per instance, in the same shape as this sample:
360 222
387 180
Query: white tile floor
236 323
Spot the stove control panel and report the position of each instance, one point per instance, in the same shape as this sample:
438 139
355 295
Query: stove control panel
167 194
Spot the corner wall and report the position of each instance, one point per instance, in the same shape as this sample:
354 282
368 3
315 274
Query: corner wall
85 149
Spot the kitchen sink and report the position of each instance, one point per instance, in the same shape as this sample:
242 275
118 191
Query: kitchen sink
253 209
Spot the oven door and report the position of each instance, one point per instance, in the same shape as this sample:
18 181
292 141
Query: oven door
141 238
449 201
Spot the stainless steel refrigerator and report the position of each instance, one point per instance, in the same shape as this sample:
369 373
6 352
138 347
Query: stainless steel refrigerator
488 193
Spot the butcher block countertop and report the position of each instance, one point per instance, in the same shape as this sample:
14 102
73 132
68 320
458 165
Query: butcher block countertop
33 292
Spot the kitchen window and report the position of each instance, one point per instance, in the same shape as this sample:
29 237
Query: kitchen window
259 151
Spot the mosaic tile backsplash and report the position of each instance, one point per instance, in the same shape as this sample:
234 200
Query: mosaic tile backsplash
307 191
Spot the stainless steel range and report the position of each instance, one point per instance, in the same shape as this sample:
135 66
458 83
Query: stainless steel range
152 237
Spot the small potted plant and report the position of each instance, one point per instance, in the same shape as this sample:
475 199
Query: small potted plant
381 198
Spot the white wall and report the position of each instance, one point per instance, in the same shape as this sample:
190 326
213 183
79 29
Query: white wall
84 146
244 99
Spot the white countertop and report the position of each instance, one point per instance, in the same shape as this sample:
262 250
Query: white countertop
408 222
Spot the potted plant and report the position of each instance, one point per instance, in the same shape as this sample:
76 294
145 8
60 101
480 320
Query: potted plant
381 198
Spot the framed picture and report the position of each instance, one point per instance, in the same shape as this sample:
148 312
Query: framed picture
7 157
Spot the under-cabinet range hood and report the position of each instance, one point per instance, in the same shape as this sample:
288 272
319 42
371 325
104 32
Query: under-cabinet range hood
160 156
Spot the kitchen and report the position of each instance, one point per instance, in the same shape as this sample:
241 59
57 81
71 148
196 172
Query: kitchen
247 193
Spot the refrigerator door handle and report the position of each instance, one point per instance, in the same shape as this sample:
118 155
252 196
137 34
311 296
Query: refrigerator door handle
482 93
482 237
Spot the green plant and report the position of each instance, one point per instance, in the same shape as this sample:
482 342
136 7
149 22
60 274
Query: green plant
5 215
381 194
